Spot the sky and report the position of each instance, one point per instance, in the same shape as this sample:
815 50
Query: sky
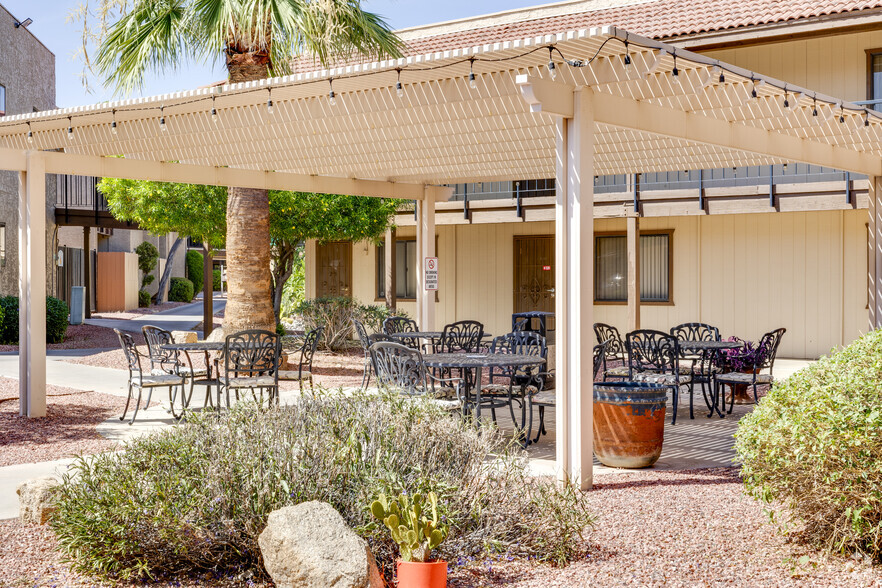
63 39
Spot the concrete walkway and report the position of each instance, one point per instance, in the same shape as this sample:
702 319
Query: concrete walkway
182 318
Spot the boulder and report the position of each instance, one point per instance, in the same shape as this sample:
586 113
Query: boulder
217 336
309 545
36 500
184 336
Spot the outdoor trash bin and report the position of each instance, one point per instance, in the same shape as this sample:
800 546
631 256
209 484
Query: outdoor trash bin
629 423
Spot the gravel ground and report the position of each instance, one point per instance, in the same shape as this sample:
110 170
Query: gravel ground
84 337
67 430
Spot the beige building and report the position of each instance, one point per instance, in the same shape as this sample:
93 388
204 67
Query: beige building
747 249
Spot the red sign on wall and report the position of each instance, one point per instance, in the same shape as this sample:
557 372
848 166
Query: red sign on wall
546 268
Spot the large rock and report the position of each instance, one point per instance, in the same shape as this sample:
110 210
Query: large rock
36 500
309 545
184 336
217 335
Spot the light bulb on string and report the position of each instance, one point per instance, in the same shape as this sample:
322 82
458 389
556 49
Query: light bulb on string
866 117
722 74
814 107
113 122
753 89
30 134
552 69
841 114
213 111
162 126
786 99
399 89
627 58
473 83
70 135
675 73
269 103
332 96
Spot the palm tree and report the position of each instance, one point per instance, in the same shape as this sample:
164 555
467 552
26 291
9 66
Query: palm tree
256 38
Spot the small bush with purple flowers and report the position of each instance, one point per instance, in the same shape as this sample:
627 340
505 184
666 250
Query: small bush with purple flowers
193 499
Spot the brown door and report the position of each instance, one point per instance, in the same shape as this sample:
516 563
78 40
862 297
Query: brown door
534 273
334 268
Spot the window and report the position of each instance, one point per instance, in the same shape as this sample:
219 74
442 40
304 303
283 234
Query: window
2 100
405 269
611 268
874 77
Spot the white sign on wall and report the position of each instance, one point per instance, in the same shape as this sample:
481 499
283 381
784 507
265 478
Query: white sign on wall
430 271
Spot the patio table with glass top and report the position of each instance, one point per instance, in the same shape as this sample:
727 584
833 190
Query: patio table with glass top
199 346
477 362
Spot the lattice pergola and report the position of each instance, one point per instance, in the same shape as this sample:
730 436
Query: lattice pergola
596 115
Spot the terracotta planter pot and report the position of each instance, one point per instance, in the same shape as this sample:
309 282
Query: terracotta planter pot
417 574
629 423
743 392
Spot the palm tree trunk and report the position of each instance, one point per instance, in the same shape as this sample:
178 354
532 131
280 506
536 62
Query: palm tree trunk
249 296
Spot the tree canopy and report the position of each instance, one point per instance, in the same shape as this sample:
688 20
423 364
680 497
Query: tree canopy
200 212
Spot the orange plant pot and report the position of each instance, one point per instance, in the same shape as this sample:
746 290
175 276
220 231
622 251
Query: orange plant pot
629 423
417 574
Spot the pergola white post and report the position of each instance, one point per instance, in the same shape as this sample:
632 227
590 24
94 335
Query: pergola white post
574 229
425 248
32 286
874 252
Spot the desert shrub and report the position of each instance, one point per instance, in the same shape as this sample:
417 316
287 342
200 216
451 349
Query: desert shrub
57 315
180 290
143 298
148 256
195 266
216 280
194 498
813 450
335 314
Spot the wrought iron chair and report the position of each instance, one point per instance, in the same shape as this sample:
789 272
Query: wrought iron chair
307 350
653 357
763 359
702 365
510 386
166 361
400 324
251 361
138 379
521 324
461 337
545 398
401 369
614 351
365 345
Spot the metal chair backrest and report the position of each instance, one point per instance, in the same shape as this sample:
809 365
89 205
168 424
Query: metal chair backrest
164 359
653 351
462 336
307 351
399 367
615 347
521 324
696 332
768 349
520 343
362 334
253 352
130 350
599 356
399 324
379 337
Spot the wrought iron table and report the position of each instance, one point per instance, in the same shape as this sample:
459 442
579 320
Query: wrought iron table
200 346
708 351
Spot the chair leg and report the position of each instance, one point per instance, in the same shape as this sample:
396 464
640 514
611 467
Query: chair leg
541 428
715 391
731 398
675 402
128 400
691 398
138 405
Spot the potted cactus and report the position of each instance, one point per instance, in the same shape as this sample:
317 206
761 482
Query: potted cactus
416 535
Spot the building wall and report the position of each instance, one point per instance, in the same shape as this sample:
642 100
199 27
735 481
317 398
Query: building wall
27 70
745 273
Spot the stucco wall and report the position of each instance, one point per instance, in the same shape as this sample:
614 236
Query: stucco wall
27 70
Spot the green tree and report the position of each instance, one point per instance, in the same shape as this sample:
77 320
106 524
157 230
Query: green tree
148 255
198 212
256 38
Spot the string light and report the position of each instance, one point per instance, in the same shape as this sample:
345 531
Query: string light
627 54
722 74
473 84
866 117
269 102
332 97
399 89
675 73
814 107
552 69
162 126
213 111
70 136
841 114
786 101
784 167
753 89
113 122
30 133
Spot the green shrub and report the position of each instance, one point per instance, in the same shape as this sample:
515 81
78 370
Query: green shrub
148 255
57 315
143 298
294 290
216 280
335 314
193 499
195 267
813 449
180 290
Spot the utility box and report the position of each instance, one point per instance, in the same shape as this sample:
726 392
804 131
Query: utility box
77 304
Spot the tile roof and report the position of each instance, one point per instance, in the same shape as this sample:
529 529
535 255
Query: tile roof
660 19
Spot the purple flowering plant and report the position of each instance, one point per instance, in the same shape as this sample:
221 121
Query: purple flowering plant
745 358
